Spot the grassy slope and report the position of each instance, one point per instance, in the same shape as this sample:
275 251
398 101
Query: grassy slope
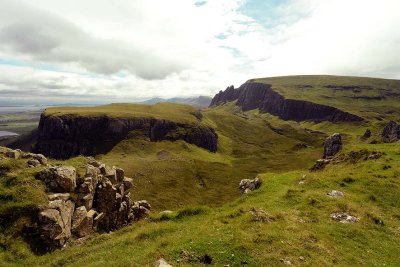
177 175
302 227
352 100
167 111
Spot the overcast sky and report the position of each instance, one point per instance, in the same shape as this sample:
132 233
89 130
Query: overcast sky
125 50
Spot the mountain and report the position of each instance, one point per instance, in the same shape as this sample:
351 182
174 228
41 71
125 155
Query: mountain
318 98
197 102
258 178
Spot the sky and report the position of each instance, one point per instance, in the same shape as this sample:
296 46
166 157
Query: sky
101 51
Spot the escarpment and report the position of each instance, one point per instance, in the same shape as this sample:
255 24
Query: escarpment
252 95
65 136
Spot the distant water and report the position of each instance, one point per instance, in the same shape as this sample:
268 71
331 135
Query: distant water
6 133
17 109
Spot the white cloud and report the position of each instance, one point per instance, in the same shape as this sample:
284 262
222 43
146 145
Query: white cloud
131 49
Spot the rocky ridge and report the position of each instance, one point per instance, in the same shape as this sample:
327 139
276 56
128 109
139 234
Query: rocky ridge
253 95
79 206
62 137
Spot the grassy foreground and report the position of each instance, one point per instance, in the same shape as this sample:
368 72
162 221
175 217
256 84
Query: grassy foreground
282 221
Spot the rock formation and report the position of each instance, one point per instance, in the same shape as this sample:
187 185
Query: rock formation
252 95
391 132
248 185
332 145
99 201
62 137
366 135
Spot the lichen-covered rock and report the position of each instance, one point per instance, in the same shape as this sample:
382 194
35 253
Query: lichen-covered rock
82 222
59 178
332 145
33 163
320 165
141 209
55 223
248 185
344 217
128 183
13 154
391 132
335 194
367 134
86 191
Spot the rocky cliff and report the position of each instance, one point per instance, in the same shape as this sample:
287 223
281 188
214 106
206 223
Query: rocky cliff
65 136
252 95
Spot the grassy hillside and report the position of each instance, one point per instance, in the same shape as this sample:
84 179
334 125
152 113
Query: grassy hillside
284 220
167 111
287 219
368 97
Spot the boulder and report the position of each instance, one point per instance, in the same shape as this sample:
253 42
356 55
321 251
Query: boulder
332 145
55 223
86 191
13 154
366 135
39 157
391 132
248 185
335 194
320 165
33 163
140 209
344 217
59 196
59 178
82 222
128 183
162 263
119 175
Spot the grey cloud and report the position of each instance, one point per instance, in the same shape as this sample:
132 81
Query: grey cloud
47 38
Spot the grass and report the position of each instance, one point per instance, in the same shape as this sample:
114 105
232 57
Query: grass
284 220
370 98
301 229
167 111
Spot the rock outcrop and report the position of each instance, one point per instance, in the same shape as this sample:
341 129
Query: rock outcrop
252 95
62 137
248 185
99 201
391 132
332 145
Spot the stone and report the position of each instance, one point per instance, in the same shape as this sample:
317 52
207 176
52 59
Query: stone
82 222
140 209
332 145
248 185
59 178
286 262
163 263
59 196
128 183
320 165
344 217
119 175
391 132
86 192
366 135
13 154
259 215
335 194
55 223
92 171
33 163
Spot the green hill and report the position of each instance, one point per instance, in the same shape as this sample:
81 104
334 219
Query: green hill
371 98
287 220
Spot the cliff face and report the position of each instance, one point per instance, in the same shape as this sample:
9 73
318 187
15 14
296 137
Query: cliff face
62 137
253 95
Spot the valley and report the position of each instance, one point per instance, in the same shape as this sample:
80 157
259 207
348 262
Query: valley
188 164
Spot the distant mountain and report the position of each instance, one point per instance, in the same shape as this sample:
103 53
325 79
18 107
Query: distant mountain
197 102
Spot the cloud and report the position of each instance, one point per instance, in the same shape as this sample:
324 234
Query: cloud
135 49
